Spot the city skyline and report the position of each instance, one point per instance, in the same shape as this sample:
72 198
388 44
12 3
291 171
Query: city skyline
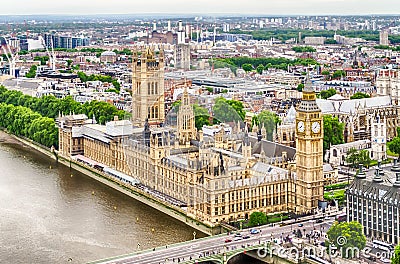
284 7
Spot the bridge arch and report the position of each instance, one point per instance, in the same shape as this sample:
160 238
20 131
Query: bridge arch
239 253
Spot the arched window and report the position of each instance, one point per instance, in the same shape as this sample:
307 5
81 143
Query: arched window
156 112
334 152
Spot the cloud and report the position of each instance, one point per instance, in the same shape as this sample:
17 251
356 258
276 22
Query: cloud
275 7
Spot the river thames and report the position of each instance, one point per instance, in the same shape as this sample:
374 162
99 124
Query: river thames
50 214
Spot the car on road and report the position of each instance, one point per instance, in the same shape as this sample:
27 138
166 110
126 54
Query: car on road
246 237
238 235
319 221
228 240
300 225
237 238
254 231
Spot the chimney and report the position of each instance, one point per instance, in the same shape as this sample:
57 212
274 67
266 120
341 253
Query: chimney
180 28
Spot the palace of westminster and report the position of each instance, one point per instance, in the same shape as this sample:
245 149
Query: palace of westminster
221 173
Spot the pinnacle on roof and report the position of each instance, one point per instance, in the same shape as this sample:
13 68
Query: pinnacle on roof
308 84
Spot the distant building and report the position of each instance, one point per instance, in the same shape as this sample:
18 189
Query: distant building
108 57
388 83
314 40
384 37
65 42
182 56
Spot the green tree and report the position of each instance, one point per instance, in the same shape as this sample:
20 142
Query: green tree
247 67
228 111
300 87
50 106
396 255
352 157
394 145
327 74
267 119
359 95
201 116
69 63
338 74
260 68
347 236
364 158
333 131
32 72
43 59
330 41
304 49
257 218
325 94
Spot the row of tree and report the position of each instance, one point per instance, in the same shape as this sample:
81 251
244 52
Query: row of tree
355 157
22 121
201 115
333 131
279 63
325 94
286 34
224 111
50 106
267 119
304 49
96 77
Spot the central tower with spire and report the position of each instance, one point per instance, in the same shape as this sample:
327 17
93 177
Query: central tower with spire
309 152
186 120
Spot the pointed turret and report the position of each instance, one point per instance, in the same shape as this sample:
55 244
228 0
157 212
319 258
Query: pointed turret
263 132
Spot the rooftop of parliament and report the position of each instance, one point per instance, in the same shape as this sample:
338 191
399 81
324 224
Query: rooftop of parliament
222 173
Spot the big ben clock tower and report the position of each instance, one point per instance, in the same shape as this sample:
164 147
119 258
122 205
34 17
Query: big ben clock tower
309 152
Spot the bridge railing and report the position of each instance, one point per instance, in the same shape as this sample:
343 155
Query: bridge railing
155 249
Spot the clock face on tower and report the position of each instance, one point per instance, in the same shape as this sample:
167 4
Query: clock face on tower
300 126
315 127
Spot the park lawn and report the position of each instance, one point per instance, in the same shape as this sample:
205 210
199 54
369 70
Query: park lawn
337 195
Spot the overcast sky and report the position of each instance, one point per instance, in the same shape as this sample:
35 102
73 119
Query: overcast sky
265 7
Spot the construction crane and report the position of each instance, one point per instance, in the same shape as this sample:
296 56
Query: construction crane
11 58
52 55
